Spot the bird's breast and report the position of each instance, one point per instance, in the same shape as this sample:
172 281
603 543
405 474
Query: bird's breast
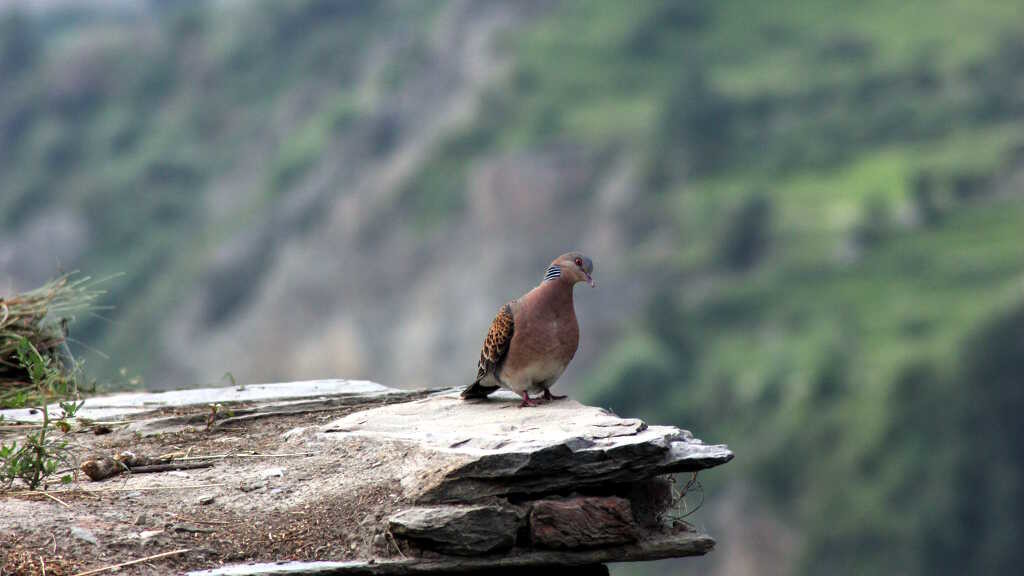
564 336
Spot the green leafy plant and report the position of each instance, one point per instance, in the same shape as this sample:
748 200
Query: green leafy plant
40 455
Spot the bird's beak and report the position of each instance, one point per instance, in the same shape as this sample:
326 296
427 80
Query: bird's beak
591 281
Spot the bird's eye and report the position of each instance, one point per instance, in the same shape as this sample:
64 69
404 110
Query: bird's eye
579 262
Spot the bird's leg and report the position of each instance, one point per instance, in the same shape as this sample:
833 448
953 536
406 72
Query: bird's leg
549 396
526 400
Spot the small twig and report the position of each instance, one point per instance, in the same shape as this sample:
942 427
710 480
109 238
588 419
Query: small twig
55 499
691 483
392 540
201 521
257 415
222 456
192 529
168 467
130 562
42 564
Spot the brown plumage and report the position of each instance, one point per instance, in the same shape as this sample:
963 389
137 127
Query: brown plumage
492 353
533 338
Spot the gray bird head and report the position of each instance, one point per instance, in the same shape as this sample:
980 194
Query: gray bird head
575 267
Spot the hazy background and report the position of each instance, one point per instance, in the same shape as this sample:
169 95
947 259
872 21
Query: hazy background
807 221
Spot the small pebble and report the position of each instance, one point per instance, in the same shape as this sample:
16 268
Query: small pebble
252 486
84 535
206 500
272 472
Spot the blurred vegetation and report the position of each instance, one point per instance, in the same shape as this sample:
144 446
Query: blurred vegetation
844 304
845 185
164 105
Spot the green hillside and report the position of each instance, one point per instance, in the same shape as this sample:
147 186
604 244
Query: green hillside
827 220
137 141
848 232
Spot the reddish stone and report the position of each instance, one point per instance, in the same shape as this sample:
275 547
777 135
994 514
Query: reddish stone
582 522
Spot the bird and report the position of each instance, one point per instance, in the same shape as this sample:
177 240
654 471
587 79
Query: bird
534 337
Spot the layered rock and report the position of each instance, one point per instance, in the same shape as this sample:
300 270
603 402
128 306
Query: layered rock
561 483
582 522
493 448
364 479
463 530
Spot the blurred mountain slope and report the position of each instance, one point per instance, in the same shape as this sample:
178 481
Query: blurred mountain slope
806 219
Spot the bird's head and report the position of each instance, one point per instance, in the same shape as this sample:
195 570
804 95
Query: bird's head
574 267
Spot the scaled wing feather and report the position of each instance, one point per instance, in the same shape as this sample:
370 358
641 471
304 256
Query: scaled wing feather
493 351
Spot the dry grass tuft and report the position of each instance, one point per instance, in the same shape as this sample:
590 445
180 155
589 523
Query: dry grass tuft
38 320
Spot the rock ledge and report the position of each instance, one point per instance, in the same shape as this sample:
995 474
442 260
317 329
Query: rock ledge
355 478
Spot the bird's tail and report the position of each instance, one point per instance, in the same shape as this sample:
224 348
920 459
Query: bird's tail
477 390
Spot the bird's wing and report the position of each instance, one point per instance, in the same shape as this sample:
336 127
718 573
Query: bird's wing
493 352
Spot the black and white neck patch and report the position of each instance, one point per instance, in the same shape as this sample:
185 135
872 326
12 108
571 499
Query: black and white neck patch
552 273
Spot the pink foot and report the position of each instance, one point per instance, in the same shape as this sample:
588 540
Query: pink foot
527 401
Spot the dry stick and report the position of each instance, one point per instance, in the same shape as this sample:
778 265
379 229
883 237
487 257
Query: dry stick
55 499
257 415
130 562
42 564
167 467
392 540
222 456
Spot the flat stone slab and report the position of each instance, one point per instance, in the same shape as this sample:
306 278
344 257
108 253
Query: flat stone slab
118 406
462 530
494 448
